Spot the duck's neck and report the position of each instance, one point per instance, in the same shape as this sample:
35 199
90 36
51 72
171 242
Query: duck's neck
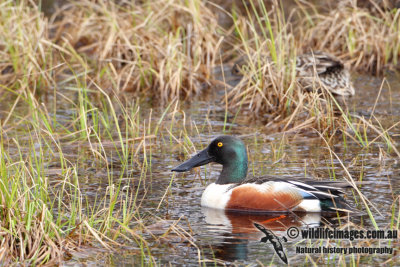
234 171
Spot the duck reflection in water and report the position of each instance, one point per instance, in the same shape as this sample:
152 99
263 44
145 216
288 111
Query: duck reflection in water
239 230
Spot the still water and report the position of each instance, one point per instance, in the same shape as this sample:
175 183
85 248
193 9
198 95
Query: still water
205 236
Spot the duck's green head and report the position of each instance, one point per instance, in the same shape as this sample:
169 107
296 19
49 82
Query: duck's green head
229 151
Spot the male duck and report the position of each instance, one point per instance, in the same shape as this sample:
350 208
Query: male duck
232 191
330 71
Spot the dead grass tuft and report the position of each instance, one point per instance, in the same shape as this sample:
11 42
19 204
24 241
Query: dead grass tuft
24 53
166 48
366 38
270 88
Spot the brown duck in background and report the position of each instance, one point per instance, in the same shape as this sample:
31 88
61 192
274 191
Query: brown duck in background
313 69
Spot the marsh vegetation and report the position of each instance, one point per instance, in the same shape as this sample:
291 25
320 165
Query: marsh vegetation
100 99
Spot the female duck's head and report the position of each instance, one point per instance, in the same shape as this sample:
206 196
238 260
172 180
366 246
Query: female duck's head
229 151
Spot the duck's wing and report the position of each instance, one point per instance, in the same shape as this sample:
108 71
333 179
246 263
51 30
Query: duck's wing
317 62
327 192
322 187
306 64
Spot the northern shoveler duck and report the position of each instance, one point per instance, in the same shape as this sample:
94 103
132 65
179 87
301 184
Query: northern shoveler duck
232 191
314 69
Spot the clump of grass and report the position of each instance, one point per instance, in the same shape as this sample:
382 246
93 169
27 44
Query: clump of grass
262 42
368 41
270 88
43 220
25 52
46 212
166 48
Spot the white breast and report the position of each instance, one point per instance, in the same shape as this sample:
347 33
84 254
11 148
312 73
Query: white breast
216 196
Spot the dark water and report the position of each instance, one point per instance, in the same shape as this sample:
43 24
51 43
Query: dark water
209 237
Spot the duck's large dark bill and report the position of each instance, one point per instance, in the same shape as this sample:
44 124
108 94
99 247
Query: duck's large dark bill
199 159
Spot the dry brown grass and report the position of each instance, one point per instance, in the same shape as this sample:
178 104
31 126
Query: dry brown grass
33 243
367 38
163 48
270 89
25 56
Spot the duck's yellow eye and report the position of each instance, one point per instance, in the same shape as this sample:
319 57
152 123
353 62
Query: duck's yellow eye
220 144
